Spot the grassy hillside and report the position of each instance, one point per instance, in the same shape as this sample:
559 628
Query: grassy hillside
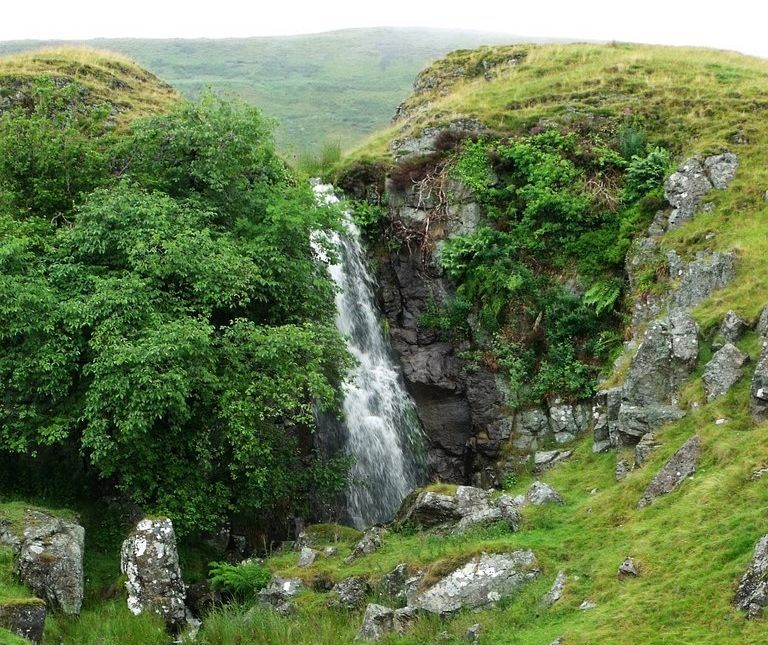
105 77
329 87
691 546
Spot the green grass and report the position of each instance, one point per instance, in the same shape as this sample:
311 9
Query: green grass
334 87
106 76
6 638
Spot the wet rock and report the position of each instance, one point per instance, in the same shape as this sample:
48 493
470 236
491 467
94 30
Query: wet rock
644 448
555 591
25 618
681 465
622 470
540 493
724 370
484 580
733 327
752 594
307 557
349 593
697 280
627 569
51 560
758 403
279 594
472 635
369 543
150 561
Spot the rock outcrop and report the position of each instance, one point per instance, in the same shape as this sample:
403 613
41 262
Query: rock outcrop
484 580
752 594
733 327
540 493
279 594
555 591
758 403
379 621
465 508
369 543
25 618
349 593
150 561
724 370
680 466
51 560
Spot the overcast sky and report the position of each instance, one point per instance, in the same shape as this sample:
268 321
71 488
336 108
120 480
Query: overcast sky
733 24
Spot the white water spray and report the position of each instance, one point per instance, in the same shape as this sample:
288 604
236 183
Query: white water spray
381 430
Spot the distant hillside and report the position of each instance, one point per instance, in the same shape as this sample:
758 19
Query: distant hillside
331 87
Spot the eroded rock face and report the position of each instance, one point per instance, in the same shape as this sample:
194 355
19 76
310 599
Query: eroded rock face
758 402
680 466
458 512
752 594
483 581
51 561
25 619
151 562
724 370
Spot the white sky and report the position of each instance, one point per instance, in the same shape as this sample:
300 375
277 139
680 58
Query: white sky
734 24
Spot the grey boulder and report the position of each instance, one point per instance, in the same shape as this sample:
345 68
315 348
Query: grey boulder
279 594
349 593
379 621
369 543
724 370
51 560
681 465
758 403
733 327
540 493
752 593
484 580
150 561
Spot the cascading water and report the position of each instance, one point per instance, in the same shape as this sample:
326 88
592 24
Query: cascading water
380 428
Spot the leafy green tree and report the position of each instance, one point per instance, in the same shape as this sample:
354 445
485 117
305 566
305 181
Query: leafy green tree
176 327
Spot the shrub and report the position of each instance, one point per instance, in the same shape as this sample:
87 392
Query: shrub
644 174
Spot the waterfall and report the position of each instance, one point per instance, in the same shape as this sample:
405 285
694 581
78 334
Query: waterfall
380 429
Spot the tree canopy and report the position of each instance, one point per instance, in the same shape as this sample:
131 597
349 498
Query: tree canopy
161 307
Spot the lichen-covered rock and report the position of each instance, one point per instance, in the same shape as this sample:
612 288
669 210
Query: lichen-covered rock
369 543
349 593
762 323
733 327
721 169
531 428
540 493
484 580
24 618
752 594
627 569
379 621
150 561
622 470
681 465
724 370
555 591
684 190
279 594
758 403
543 460
51 560
697 280
307 557
644 448
567 420
392 585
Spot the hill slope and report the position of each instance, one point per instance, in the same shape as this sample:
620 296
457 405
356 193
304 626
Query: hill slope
328 87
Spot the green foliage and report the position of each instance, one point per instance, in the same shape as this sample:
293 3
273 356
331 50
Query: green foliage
318 164
178 331
631 139
242 581
473 168
450 319
603 295
644 174
368 217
